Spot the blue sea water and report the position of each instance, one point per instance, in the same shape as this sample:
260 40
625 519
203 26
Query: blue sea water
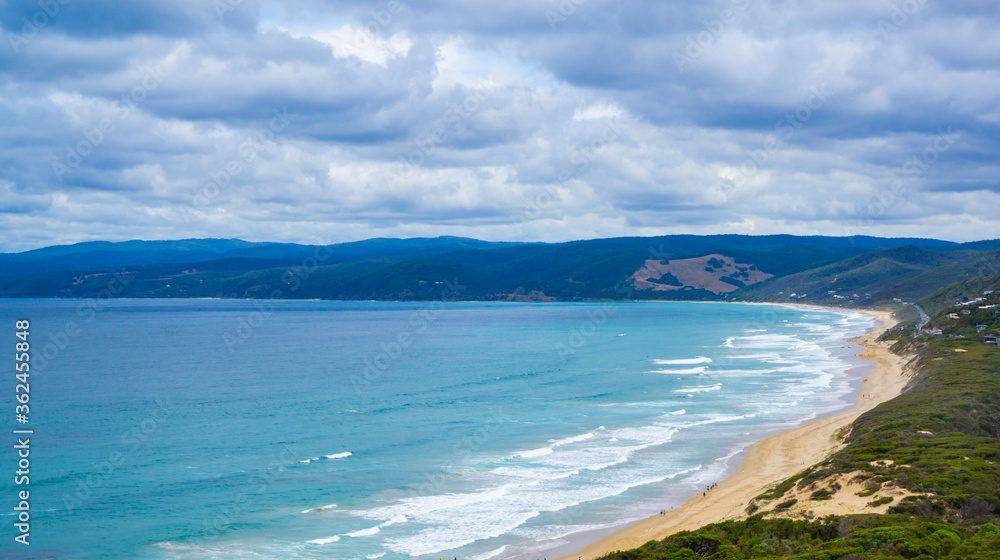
218 429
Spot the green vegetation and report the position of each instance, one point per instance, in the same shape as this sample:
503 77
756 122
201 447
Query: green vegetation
940 440
835 538
733 281
869 490
883 277
667 279
784 486
881 501
946 297
415 269
822 494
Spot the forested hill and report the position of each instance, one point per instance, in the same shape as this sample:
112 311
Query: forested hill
847 270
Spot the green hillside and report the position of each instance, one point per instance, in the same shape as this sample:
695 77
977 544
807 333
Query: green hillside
877 277
943 298
816 269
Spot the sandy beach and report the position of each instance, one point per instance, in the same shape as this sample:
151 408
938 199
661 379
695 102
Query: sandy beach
773 459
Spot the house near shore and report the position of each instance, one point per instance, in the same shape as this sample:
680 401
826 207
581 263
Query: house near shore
992 339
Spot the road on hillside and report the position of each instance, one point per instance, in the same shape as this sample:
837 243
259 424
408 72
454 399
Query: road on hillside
924 319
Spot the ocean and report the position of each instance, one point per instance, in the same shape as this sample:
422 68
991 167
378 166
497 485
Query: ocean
222 429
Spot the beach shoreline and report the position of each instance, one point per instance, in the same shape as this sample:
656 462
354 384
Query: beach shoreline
774 458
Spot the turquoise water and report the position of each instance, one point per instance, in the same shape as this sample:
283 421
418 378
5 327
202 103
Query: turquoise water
205 429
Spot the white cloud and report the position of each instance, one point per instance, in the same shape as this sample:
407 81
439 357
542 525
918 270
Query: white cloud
356 42
602 110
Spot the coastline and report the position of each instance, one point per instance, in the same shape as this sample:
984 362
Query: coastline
772 459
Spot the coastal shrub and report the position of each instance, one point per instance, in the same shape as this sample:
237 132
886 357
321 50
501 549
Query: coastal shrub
957 400
860 537
822 494
869 490
667 279
880 502
784 486
733 281
786 504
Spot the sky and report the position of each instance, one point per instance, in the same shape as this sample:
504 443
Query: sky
321 121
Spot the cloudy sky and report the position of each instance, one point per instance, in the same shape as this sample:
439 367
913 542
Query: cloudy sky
321 121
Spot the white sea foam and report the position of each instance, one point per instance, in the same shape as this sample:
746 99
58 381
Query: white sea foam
770 355
365 532
343 455
533 453
551 482
686 361
575 439
327 540
680 371
699 388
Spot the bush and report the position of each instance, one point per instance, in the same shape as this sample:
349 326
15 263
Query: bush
822 494
869 490
880 502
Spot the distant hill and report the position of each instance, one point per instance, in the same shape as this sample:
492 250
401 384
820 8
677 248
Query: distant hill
96 255
964 290
901 273
676 267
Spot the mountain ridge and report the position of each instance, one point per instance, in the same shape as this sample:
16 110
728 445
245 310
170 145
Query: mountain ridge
814 268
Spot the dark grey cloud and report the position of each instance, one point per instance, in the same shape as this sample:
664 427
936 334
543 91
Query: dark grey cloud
333 119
